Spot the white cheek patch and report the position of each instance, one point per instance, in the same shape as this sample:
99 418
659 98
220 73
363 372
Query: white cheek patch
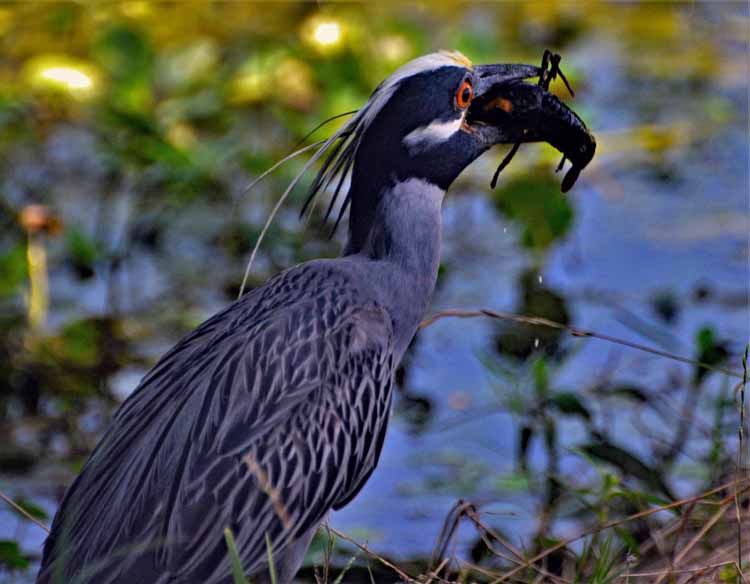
433 134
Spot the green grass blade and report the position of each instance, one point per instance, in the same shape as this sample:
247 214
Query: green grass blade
345 570
234 556
271 566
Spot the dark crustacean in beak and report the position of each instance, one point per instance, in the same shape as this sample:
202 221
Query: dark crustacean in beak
508 110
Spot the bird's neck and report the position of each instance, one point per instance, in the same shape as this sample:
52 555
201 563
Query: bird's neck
402 250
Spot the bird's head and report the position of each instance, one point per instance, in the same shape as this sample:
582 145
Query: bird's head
434 116
421 122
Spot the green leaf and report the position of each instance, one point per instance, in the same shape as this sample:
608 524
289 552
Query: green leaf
629 392
62 17
705 339
630 540
135 122
32 509
237 572
13 270
569 403
629 464
124 52
81 341
729 574
541 377
82 251
349 564
535 202
517 483
271 565
640 497
127 56
710 351
11 556
606 569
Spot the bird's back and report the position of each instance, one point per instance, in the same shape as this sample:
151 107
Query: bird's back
264 418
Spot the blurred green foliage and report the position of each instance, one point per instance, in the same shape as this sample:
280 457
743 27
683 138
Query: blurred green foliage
11 556
534 201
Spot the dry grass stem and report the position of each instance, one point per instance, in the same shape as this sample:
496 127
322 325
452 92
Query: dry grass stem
575 331
23 511
403 575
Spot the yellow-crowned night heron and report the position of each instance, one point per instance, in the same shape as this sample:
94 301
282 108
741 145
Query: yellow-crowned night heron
274 411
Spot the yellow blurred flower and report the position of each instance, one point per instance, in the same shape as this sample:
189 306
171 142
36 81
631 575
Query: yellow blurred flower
254 81
285 79
394 48
295 84
324 34
327 33
189 63
63 74
181 135
6 20
135 8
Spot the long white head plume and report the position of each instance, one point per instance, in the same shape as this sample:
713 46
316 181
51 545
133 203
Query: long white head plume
344 142
341 158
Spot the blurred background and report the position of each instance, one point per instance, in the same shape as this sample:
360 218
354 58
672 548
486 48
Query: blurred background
129 131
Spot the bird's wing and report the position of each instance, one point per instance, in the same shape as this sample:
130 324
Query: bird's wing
320 435
261 420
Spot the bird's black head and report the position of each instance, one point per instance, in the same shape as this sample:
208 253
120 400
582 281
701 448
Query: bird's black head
421 130
433 117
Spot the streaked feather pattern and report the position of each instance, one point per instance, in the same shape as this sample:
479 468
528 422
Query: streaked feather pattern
263 419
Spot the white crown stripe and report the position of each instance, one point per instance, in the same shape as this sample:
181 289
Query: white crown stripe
419 65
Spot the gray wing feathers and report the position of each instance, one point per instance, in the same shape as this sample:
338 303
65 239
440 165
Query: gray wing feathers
261 420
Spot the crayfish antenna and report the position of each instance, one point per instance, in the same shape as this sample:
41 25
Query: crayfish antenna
550 70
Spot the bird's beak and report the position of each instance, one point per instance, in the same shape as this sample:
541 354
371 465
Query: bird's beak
508 110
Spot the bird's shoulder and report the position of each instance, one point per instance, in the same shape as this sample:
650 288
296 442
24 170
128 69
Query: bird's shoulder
332 285
322 301
312 301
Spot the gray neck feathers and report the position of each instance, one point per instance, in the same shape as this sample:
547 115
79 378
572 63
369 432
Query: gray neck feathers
403 252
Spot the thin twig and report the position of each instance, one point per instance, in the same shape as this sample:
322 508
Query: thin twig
484 571
680 529
403 575
474 516
684 571
485 534
435 573
23 511
695 539
575 331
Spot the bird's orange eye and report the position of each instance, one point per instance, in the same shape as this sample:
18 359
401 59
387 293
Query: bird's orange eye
464 94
